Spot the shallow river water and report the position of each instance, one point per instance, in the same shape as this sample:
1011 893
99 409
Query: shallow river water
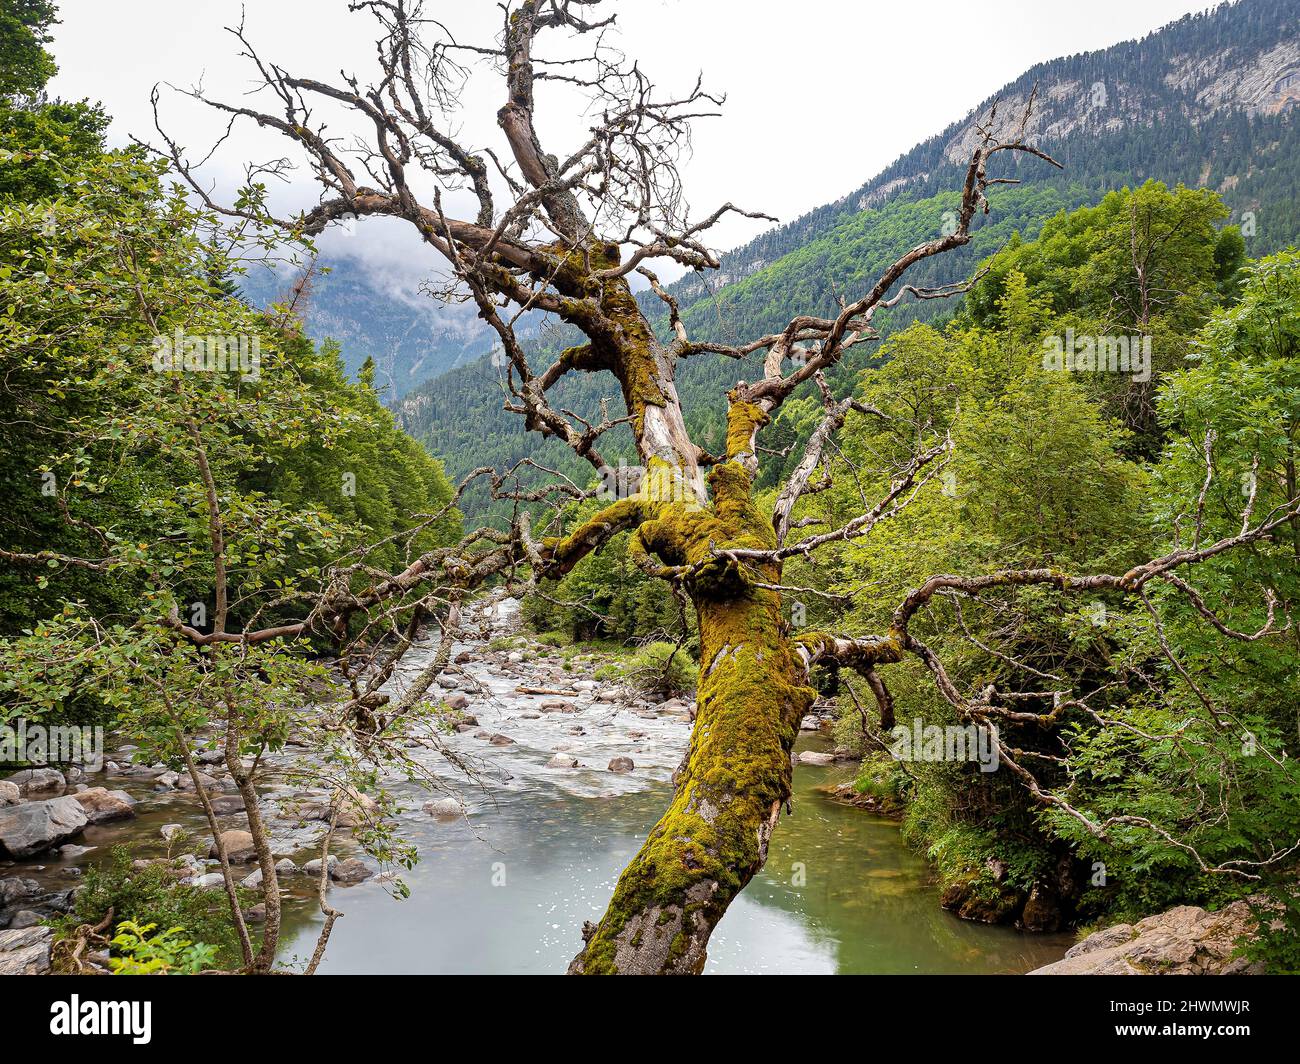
507 888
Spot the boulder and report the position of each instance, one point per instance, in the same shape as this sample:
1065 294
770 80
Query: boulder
36 826
815 757
353 808
16 888
456 700
443 808
9 793
102 805
238 844
186 782
501 740
32 782
557 705
285 867
353 870
170 831
253 880
621 765
1042 910
210 881
1186 940
25 951
312 867
227 804
562 761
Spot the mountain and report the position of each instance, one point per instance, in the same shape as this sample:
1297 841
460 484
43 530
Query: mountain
381 314
1209 100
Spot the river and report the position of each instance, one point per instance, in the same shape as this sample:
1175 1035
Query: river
507 887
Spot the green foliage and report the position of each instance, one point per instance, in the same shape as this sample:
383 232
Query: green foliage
661 670
606 596
143 950
149 897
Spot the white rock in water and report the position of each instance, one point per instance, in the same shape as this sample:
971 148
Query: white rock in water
443 808
816 757
562 761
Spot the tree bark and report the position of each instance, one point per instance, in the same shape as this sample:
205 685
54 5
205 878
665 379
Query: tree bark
736 776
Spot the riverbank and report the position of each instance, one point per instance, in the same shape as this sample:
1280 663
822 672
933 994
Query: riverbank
571 772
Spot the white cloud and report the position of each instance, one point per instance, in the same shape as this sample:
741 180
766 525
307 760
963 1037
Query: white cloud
821 95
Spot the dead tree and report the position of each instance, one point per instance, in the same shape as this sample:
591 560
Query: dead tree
562 234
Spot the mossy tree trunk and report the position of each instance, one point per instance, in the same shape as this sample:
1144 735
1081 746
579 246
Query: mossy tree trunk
736 776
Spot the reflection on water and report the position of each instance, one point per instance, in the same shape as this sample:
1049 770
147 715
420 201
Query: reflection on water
508 891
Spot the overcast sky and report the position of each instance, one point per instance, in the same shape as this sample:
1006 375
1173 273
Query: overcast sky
821 94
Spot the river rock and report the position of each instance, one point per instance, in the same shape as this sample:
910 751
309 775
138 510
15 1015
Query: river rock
210 881
9 793
33 827
25 918
102 805
621 765
353 808
238 844
501 740
186 782
556 705
253 880
170 831
312 867
815 757
286 867
456 700
16 888
32 782
25 951
227 804
562 761
443 808
1186 940
353 870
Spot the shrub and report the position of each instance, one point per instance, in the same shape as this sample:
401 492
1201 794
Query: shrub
662 670
151 895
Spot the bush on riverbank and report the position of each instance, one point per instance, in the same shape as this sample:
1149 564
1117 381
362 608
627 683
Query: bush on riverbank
150 894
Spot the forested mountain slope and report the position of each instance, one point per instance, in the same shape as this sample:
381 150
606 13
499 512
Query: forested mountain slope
1206 101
